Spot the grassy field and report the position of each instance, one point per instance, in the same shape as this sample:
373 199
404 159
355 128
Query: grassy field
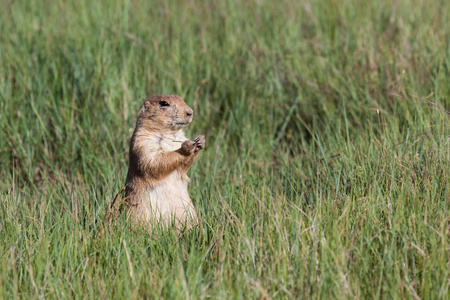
326 172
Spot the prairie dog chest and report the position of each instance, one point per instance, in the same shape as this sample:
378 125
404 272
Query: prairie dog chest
155 143
170 142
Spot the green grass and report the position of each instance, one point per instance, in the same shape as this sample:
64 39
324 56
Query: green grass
302 191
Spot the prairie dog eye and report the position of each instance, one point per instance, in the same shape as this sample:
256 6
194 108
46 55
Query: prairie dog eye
164 103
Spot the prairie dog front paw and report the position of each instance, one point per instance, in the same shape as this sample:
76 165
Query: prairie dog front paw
199 142
188 147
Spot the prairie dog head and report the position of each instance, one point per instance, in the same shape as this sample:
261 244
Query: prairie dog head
164 113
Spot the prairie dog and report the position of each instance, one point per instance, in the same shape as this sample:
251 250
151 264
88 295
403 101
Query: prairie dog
157 181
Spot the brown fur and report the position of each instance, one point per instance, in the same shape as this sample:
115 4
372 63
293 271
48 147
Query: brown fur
156 184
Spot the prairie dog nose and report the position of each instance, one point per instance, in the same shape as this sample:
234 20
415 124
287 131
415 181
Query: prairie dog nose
189 112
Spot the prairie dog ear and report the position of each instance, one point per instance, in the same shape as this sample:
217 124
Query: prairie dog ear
147 104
